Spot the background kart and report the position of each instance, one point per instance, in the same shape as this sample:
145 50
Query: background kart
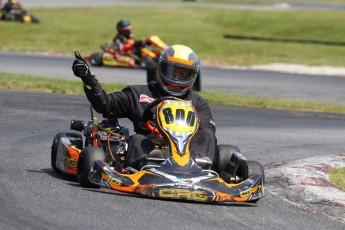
169 172
148 60
18 16
145 56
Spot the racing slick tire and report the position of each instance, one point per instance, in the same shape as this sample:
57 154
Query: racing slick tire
87 158
246 169
255 168
224 156
34 19
96 59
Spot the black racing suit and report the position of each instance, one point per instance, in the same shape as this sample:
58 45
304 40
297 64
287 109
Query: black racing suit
136 45
131 103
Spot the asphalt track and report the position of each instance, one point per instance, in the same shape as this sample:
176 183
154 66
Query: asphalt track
271 137
33 196
259 83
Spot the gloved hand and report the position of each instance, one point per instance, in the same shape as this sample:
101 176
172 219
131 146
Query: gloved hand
80 67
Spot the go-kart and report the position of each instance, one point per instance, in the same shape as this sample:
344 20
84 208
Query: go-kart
169 172
18 16
145 56
150 54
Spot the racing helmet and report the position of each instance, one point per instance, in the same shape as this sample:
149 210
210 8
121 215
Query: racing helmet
124 27
177 70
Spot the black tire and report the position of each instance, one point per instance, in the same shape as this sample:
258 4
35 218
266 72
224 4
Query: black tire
96 59
87 158
34 19
148 63
197 83
245 169
54 154
8 17
224 155
255 168
150 74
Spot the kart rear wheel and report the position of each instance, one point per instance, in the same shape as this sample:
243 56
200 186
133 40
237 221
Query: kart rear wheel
96 59
87 158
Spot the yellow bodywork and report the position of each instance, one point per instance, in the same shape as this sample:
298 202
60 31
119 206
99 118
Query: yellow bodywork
177 119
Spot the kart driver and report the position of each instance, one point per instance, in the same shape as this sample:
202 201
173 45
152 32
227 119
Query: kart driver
11 7
125 42
177 70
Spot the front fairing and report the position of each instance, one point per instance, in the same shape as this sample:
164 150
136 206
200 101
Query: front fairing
157 182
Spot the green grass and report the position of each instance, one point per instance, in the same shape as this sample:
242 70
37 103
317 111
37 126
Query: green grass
85 29
49 85
30 83
337 177
64 30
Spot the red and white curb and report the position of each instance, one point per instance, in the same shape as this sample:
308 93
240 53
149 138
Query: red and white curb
305 183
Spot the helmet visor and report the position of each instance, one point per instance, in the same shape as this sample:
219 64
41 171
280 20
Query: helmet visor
125 30
177 73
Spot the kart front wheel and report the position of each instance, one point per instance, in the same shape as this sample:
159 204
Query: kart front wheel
224 156
255 168
87 158
96 59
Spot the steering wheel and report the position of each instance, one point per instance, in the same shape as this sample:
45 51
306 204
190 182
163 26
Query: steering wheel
148 115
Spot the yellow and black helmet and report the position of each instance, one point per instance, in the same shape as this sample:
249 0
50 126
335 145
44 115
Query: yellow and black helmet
177 69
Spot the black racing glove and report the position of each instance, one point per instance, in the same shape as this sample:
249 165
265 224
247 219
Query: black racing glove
80 67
